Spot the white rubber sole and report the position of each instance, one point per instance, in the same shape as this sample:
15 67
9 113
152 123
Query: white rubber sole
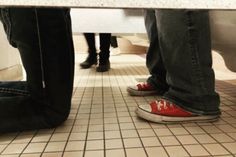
134 92
166 119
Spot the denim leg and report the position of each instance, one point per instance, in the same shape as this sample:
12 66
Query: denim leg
105 42
44 40
13 88
184 38
154 61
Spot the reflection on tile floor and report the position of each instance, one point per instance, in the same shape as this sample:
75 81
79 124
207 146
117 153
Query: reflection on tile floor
102 122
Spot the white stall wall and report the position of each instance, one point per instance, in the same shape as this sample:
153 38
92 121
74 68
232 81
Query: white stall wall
107 20
9 56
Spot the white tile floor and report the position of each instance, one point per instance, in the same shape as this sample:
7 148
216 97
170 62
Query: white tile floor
102 122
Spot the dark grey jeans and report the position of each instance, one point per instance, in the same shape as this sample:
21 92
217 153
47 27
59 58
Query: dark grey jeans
179 58
44 40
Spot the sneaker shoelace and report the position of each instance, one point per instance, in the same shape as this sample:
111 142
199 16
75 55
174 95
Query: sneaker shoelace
162 104
164 107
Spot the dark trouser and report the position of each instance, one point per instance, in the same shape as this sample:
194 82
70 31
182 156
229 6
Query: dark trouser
154 61
105 41
44 40
114 42
180 58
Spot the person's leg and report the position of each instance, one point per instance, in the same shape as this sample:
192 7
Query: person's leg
104 54
44 39
114 42
115 50
92 56
156 83
185 43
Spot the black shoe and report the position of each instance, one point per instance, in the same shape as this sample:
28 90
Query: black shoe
103 66
91 60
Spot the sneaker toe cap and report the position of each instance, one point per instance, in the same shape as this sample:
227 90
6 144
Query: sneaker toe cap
146 108
132 89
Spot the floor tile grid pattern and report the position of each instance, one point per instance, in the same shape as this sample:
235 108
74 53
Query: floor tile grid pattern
102 122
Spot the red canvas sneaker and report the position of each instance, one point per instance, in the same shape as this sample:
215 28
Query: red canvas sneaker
163 111
142 89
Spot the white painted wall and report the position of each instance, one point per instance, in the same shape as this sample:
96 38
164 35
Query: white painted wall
107 20
9 56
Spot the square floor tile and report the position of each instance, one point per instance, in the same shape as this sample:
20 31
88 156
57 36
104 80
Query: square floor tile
142 125
28 155
59 137
122 114
14 148
95 128
111 127
179 131
75 145
125 119
110 120
196 150
127 126
80 128
194 130
156 151
41 138
232 135
187 139
231 147
95 136
137 152
78 136
35 148
98 153
132 143
55 146
115 153
176 151
23 139
150 141
226 128
204 138
216 149
222 138
2 148
146 133
112 134
63 129
211 129
129 133
169 141
95 145
56 154
114 144
73 154
163 132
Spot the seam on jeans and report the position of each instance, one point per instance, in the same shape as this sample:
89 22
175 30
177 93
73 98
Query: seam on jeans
40 47
14 91
194 54
68 28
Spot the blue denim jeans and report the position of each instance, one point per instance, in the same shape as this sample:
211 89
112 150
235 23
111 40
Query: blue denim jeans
154 61
179 58
44 39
